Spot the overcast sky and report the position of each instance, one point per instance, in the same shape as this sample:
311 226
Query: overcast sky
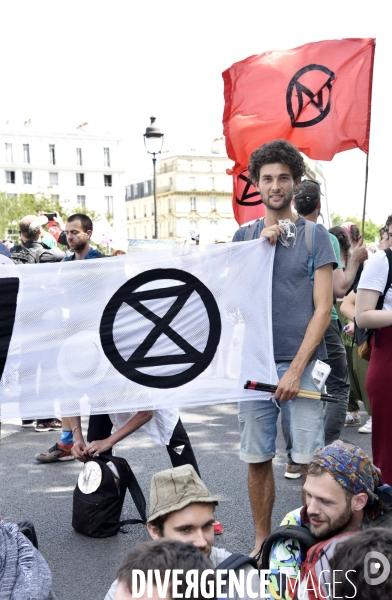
113 64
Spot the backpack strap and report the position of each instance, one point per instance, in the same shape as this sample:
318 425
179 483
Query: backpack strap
137 497
251 231
285 532
380 302
235 561
310 230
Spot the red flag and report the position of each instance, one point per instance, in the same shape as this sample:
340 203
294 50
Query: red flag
317 96
247 203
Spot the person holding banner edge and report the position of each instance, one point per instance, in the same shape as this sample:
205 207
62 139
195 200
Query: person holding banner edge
276 169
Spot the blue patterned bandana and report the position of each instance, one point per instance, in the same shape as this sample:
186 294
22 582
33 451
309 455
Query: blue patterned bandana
351 467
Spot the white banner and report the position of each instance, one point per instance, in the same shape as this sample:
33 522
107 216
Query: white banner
165 328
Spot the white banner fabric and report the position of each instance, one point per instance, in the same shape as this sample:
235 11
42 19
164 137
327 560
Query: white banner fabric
159 329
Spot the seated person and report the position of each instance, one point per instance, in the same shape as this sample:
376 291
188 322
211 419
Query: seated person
182 509
162 555
352 555
341 497
24 572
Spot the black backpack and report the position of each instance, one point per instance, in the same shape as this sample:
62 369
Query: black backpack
28 530
26 256
98 513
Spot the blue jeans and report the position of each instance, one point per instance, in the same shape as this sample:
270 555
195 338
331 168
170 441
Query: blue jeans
304 418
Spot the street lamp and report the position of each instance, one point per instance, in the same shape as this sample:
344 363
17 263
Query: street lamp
153 141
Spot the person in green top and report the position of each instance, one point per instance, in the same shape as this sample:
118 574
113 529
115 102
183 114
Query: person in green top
357 367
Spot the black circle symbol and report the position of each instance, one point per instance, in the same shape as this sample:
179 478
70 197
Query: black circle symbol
320 99
128 294
246 190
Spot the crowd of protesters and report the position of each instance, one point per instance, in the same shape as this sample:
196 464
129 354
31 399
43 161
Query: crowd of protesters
327 280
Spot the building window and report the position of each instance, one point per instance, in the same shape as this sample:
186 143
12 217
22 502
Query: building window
190 165
192 183
79 178
193 224
106 157
164 167
109 205
81 202
170 228
134 212
212 183
135 190
145 210
145 232
146 188
53 178
135 232
210 165
55 198
79 157
27 177
193 203
170 182
213 223
52 155
107 180
26 153
8 153
169 205
213 203
10 176
152 210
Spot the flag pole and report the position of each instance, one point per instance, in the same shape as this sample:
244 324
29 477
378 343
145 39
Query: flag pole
364 199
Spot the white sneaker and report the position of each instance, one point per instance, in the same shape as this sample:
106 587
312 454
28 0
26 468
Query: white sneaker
367 428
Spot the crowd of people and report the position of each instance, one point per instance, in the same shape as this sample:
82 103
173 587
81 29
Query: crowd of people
325 285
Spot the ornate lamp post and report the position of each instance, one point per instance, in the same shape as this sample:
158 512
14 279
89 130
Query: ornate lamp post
153 141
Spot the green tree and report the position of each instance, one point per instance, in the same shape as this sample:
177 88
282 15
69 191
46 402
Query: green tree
371 231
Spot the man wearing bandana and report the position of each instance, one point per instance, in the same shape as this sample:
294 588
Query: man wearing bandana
342 490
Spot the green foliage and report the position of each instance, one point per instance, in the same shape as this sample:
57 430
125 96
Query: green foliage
14 208
371 231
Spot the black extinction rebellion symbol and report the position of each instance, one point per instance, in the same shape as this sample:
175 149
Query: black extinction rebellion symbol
320 99
207 319
246 190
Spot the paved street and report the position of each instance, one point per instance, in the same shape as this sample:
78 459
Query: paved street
84 568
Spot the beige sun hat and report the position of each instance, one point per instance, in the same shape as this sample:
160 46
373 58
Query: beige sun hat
174 489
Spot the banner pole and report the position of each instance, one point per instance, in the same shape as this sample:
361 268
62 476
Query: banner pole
364 199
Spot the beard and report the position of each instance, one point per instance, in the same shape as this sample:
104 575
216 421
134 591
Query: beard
79 247
332 527
286 201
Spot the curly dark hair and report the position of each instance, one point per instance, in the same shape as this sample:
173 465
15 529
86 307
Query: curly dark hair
277 151
349 557
388 221
344 241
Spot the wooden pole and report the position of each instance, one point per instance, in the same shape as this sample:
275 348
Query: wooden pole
364 199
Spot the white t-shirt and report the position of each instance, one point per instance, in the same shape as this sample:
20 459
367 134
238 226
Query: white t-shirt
160 428
375 275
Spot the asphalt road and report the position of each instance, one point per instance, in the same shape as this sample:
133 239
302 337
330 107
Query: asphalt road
84 568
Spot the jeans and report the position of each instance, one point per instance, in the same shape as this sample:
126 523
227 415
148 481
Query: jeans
338 383
304 418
